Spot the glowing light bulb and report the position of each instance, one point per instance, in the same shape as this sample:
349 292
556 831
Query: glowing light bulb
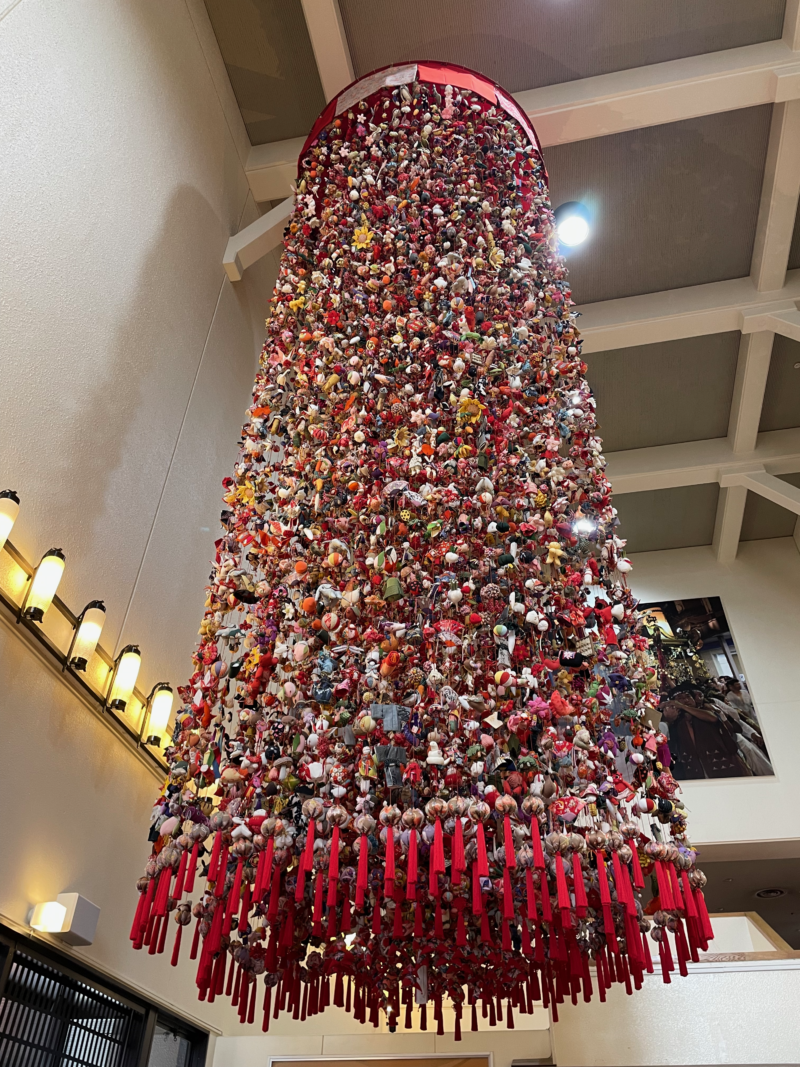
572 223
584 526
9 509
90 626
128 664
44 584
160 711
48 918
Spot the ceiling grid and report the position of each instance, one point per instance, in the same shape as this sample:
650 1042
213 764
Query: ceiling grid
680 126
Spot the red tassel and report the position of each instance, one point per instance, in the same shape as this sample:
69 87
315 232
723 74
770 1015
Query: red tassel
361 880
605 892
544 894
688 896
245 909
411 877
274 895
530 896
137 919
195 941
665 967
333 868
437 853
581 902
306 861
177 892
461 929
638 877
664 887
536 841
267 1005
213 866
264 873
673 884
508 842
458 865
508 895
222 874
234 897
482 861
438 928
477 895
418 928
702 913
376 915
389 869
562 891
176 948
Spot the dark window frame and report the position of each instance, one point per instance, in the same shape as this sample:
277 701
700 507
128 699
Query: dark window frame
149 1013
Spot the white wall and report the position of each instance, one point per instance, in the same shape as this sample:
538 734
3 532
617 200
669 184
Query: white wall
127 356
760 592
734 1017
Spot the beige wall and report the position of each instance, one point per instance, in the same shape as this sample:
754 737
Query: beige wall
760 592
75 803
127 355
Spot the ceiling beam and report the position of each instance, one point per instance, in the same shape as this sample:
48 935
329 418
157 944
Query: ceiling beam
760 481
590 107
701 462
779 197
256 240
728 524
791 24
694 311
752 369
663 92
329 42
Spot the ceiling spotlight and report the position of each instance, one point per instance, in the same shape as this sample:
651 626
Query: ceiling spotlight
572 223
584 526
770 894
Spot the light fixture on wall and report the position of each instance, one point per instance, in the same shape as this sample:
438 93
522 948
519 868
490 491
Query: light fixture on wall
87 632
9 509
70 917
43 585
159 709
572 223
126 671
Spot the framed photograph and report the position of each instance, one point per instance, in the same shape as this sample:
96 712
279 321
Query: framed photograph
706 711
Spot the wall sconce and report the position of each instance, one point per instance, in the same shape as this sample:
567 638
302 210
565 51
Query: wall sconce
9 509
43 585
126 671
70 916
159 706
86 635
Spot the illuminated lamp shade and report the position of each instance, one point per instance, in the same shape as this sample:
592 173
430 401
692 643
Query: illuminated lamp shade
87 634
48 918
160 710
126 671
44 585
572 223
9 509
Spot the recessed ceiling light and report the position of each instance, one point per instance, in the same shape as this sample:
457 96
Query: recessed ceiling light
572 223
770 894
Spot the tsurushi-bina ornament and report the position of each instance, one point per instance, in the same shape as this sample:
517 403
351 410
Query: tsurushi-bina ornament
415 760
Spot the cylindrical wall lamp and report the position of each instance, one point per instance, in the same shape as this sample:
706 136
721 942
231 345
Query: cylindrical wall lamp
44 585
159 707
9 509
87 633
126 671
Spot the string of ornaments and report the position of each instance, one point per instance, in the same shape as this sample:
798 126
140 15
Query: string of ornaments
414 761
